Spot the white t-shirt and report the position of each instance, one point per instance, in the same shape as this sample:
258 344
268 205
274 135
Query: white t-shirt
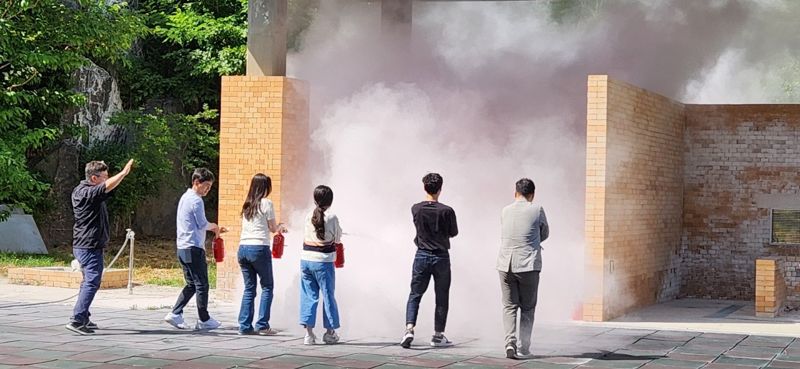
256 231
333 234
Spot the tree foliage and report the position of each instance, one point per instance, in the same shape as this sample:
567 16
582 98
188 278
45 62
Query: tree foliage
42 43
159 143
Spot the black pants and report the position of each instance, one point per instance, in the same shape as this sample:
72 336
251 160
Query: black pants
195 272
427 264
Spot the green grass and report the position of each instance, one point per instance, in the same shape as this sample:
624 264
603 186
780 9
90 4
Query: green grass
172 277
14 260
155 262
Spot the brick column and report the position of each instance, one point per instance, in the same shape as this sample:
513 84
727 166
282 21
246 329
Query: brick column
770 288
263 128
596 109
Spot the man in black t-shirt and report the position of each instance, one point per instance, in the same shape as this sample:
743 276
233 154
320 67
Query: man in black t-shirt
436 224
90 235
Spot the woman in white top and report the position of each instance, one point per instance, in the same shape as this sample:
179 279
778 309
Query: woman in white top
255 259
322 232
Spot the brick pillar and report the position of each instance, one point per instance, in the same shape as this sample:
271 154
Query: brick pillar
263 128
770 288
597 101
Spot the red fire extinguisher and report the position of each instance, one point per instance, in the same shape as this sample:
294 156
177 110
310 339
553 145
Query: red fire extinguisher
277 245
219 249
339 263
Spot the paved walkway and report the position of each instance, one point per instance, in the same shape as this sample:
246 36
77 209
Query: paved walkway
33 337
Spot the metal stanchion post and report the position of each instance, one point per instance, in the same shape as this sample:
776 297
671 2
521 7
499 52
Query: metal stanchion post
130 236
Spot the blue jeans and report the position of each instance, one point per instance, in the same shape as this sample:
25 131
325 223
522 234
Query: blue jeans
256 263
427 264
91 261
316 276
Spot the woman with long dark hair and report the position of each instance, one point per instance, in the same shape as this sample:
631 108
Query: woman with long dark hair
322 232
255 259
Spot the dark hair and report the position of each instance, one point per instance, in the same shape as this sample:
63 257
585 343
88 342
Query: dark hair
323 197
94 168
525 187
260 187
433 183
202 175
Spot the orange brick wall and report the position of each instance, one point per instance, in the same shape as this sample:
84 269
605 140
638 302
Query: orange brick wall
770 287
634 198
263 128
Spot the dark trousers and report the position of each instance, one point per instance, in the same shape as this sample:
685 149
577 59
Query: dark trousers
91 261
427 264
519 294
195 272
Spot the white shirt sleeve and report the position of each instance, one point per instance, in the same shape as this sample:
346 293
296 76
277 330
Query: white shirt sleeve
267 209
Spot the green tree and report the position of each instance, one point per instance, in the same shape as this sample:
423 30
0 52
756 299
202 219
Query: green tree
42 43
192 44
154 140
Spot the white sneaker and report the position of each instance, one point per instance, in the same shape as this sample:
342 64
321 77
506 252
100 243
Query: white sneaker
440 341
211 323
330 338
175 320
310 339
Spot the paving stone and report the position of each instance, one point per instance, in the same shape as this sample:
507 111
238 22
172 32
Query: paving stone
784 364
679 363
176 354
399 366
788 358
20 360
781 342
658 366
66 364
489 362
537 364
754 352
196 365
212 359
106 355
615 364
143 361
692 357
45 354
740 361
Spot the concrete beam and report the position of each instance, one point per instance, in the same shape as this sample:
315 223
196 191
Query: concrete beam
266 37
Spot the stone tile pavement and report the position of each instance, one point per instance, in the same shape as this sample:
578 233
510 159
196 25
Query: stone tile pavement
33 336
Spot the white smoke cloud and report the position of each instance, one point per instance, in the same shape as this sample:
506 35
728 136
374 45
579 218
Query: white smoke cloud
487 93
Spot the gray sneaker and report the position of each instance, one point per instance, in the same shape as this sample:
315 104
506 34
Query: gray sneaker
440 341
511 351
408 337
268 332
330 338
309 339
79 329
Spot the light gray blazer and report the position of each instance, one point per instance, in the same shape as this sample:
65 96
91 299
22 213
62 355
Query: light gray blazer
523 228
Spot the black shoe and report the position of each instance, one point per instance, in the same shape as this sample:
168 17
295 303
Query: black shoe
511 351
79 329
407 338
91 325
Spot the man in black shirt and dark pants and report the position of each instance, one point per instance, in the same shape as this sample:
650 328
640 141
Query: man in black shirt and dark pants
436 224
90 235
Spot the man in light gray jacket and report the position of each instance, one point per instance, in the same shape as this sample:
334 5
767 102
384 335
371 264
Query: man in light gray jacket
524 227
